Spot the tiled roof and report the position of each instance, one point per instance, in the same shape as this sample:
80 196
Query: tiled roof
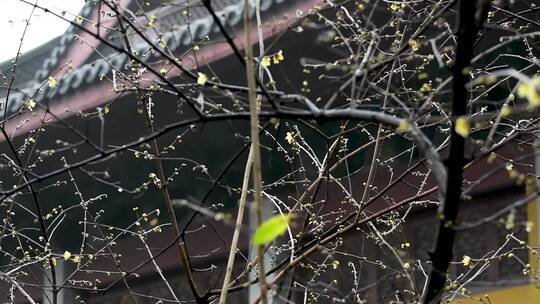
28 62
63 43
229 10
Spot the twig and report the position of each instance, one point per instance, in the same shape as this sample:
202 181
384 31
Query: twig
256 149
237 227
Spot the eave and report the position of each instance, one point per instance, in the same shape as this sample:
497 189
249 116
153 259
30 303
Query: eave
82 89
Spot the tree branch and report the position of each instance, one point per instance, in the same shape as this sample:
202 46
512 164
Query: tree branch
449 205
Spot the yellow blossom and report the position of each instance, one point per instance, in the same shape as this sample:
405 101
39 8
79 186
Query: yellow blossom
265 61
513 174
530 91
422 76
202 79
491 79
79 20
66 255
466 260
414 44
278 57
406 265
31 104
491 158
528 226
462 126
426 87
505 111
162 43
379 57
76 259
151 21
290 138
396 6
52 81
275 122
404 126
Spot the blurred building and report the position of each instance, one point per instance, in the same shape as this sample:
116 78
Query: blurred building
89 87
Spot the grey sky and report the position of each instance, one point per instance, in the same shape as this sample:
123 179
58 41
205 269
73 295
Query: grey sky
43 27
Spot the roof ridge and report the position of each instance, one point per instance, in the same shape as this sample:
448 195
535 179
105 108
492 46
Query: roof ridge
61 47
91 71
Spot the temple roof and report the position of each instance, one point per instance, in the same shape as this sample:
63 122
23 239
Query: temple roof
171 20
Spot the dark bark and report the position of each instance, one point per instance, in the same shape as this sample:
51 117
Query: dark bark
469 25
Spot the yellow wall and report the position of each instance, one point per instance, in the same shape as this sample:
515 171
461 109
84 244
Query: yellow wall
514 295
532 217
518 294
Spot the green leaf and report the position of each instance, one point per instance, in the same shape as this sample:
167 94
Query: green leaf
271 229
